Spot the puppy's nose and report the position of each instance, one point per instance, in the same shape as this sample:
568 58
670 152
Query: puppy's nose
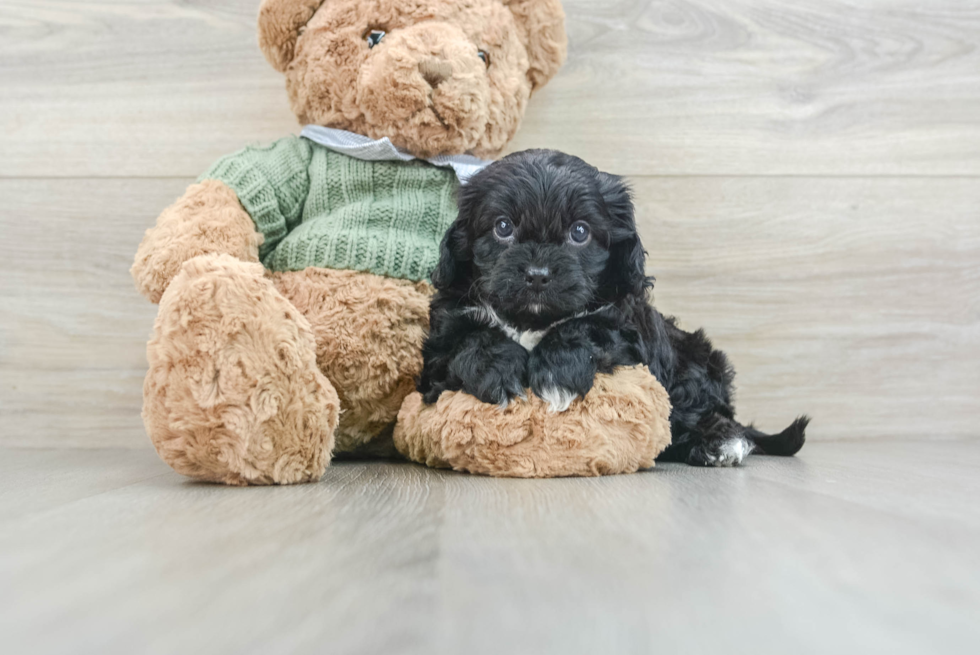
537 277
435 71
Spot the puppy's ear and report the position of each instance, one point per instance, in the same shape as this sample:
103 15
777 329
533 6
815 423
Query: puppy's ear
626 270
454 252
453 257
280 22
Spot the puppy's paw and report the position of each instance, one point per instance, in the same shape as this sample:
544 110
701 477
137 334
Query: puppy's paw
720 452
558 399
558 378
493 390
497 387
495 375
510 398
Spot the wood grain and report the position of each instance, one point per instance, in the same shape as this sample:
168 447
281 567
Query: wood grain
73 329
730 87
850 547
815 206
855 300
767 87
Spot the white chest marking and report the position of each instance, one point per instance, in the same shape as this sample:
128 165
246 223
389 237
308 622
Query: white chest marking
528 340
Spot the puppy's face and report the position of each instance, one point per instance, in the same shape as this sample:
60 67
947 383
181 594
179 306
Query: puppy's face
542 236
540 243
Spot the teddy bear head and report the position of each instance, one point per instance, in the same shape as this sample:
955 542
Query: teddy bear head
434 76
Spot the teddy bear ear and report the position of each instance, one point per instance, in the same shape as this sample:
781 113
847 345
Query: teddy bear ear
280 22
542 28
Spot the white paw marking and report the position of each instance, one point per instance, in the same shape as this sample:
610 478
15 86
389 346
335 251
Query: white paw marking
731 453
557 398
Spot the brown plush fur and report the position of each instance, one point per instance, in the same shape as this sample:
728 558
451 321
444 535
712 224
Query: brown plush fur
254 378
280 22
334 79
619 427
207 219
369 331
233 393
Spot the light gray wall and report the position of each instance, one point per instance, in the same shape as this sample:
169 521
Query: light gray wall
806 177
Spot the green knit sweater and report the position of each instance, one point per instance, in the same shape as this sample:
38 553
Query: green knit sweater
317 207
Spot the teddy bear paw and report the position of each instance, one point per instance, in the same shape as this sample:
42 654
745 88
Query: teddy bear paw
233 393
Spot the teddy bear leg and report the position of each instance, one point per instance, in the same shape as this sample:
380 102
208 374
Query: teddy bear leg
233 393
369 331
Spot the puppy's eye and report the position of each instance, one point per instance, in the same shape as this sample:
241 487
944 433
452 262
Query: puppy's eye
374 37
579 234
503 229
485 56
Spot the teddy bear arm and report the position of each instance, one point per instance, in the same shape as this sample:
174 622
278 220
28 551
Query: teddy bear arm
620 426
207 219
243 206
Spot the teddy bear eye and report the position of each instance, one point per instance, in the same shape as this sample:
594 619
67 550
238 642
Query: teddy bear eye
374 37
485 56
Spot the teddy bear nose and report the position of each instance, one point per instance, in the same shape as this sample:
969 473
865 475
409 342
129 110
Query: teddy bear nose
435 71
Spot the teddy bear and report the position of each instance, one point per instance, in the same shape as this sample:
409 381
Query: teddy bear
292 278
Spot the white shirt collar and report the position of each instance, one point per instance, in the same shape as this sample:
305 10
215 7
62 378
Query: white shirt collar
359 146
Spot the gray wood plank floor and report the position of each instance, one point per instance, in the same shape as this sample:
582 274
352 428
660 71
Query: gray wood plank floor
852 547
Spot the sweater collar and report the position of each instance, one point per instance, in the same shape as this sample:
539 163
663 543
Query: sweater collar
359 146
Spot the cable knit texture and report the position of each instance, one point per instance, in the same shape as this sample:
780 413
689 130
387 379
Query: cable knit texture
317 207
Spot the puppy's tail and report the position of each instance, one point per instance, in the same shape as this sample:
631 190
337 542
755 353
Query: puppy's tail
785 444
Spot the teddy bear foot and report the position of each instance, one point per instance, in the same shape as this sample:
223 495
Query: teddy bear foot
233 393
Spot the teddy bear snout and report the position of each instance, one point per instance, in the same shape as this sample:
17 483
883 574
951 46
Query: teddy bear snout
435 71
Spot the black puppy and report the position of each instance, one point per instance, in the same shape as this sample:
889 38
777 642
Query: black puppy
541 283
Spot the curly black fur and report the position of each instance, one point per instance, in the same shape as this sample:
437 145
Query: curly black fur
522 302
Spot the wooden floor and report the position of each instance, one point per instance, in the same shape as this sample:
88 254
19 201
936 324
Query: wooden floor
852 547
